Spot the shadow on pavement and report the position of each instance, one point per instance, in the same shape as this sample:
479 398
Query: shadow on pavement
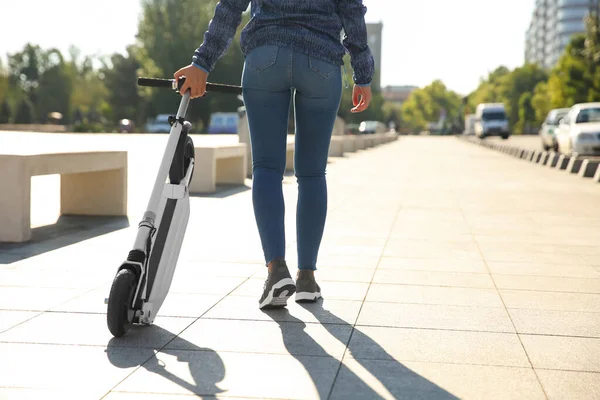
68 230
397 379
205 365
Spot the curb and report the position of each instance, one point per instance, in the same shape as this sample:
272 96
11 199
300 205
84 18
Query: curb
584 168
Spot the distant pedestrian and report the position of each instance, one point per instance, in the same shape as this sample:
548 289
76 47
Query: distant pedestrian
292 50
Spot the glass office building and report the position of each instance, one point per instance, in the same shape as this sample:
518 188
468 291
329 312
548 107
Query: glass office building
553 23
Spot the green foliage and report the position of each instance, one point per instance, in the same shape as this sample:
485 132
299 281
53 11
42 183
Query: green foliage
4 112
425 106
25 113
36 81
120 81
541 102
512 86
526 113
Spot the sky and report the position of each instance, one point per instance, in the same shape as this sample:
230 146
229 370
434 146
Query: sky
457 41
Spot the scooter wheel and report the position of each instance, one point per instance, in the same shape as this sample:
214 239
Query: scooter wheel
119 302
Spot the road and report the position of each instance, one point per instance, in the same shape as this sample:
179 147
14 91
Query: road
448 271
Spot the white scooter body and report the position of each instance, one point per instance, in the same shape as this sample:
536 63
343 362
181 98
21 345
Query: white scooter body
161 232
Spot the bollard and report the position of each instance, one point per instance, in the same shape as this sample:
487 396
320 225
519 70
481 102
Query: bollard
574 165
597 174
588 168
563 161
522 153
552 160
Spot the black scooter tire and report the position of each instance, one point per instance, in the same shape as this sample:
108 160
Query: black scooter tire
119 301
181 161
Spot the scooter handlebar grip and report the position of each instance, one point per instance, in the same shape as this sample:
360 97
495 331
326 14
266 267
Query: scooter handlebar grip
154 82
169 83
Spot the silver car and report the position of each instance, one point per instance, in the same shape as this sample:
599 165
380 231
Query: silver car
550 127
579 131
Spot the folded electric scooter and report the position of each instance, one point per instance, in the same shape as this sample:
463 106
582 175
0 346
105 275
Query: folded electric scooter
142 281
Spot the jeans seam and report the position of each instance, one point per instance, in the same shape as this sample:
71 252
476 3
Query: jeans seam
291 68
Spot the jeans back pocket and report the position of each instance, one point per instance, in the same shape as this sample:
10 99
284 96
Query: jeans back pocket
322 68
262 58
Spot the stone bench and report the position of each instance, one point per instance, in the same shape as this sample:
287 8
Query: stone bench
218 164
336 146
360 142
349 144
91 183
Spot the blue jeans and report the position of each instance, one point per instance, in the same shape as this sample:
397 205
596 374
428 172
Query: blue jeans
272 77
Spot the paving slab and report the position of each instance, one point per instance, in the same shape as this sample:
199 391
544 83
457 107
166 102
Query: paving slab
437 346
413 380
440 295
233 374
562 352
448 271
570 384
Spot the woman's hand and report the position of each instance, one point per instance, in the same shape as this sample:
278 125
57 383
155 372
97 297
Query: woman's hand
361 98
195 80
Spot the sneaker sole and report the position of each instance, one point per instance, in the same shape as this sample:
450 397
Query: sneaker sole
307 296
279 294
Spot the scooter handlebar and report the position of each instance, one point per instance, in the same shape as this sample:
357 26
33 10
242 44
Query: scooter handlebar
176 85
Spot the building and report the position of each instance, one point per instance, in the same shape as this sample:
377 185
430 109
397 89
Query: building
375 39
397 94
553 24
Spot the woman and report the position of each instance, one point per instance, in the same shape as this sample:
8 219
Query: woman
292 49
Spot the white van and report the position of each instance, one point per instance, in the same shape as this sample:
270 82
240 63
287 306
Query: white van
491 121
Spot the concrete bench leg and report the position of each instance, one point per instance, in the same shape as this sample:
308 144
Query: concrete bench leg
15 201
94 193
205 172
231 170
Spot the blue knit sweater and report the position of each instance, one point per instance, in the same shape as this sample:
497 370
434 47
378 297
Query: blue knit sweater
311 27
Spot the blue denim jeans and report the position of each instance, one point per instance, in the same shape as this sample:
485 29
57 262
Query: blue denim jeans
272 77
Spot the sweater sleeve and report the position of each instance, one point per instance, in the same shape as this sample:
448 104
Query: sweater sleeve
352 14
221 29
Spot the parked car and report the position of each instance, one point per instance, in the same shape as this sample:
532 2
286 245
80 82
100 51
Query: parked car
352 129
160 124
491 121
126 126
223 123
370 127
579 131
549 128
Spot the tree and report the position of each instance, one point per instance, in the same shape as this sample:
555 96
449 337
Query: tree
5 112
55 87
120 79
428 104
541 102
526 113
169 33
25 113
569 82
89 91
3 81
513 85
488 90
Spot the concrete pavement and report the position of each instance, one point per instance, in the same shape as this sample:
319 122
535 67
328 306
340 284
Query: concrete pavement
448 271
